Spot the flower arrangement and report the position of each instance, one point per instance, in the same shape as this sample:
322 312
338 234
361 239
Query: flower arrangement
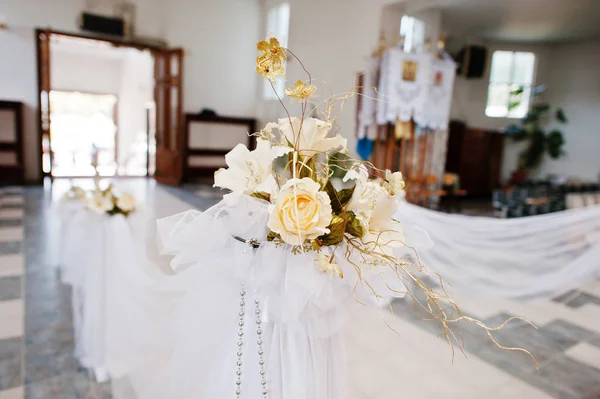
102 200
107 201
307 211
345 222
75 193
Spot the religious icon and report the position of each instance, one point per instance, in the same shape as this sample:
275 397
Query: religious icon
409 71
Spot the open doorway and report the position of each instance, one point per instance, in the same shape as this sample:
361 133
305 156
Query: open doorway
83 134
133 89
101 108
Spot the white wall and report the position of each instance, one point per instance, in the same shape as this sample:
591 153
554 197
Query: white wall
85 73
574 85
18 73
219 38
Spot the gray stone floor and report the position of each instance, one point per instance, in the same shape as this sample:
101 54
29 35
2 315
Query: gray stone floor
36 337
38 363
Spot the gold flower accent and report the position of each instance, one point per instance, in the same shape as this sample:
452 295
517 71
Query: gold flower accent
270 63
300 91
268 70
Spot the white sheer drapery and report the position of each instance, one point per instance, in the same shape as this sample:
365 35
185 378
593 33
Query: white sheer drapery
174 336
530 257
104 259
303 312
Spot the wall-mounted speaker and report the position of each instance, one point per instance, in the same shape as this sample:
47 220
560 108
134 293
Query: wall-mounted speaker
471 61
101 24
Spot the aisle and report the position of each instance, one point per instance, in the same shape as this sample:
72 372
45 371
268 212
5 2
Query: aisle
36 340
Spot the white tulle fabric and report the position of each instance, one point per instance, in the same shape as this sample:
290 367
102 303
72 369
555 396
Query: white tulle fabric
194 349
104 260
61 216
531 257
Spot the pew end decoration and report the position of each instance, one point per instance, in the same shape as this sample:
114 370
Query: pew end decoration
350 232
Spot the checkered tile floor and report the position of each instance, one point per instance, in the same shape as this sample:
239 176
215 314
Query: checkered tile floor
11 293
36 338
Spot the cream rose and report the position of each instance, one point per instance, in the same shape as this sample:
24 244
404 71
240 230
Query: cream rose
300 212
126 203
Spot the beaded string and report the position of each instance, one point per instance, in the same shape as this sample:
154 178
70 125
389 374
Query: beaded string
259 342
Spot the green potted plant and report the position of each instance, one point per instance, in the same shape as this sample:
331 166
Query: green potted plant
533 129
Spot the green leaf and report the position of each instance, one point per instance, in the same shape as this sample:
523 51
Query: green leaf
540 108
517 92
336 204
345 195
353 226
532 156
516 133
560 115
339 163
336 233
530 117
520 136
530 127
513 105
339 199
262 195
554 143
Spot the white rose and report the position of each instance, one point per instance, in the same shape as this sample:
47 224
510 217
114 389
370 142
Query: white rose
250 171
394 182
300 212
101 203
126 203
312 138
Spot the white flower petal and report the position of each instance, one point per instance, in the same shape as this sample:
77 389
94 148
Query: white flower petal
247 169
358 172
312 137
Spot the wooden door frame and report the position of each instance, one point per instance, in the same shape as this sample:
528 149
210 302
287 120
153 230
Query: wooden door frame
115 41
169 141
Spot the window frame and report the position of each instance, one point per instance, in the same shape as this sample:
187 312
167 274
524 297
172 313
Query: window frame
512 85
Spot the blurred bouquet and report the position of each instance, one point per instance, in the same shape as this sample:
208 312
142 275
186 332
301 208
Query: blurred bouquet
107 201
75 193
